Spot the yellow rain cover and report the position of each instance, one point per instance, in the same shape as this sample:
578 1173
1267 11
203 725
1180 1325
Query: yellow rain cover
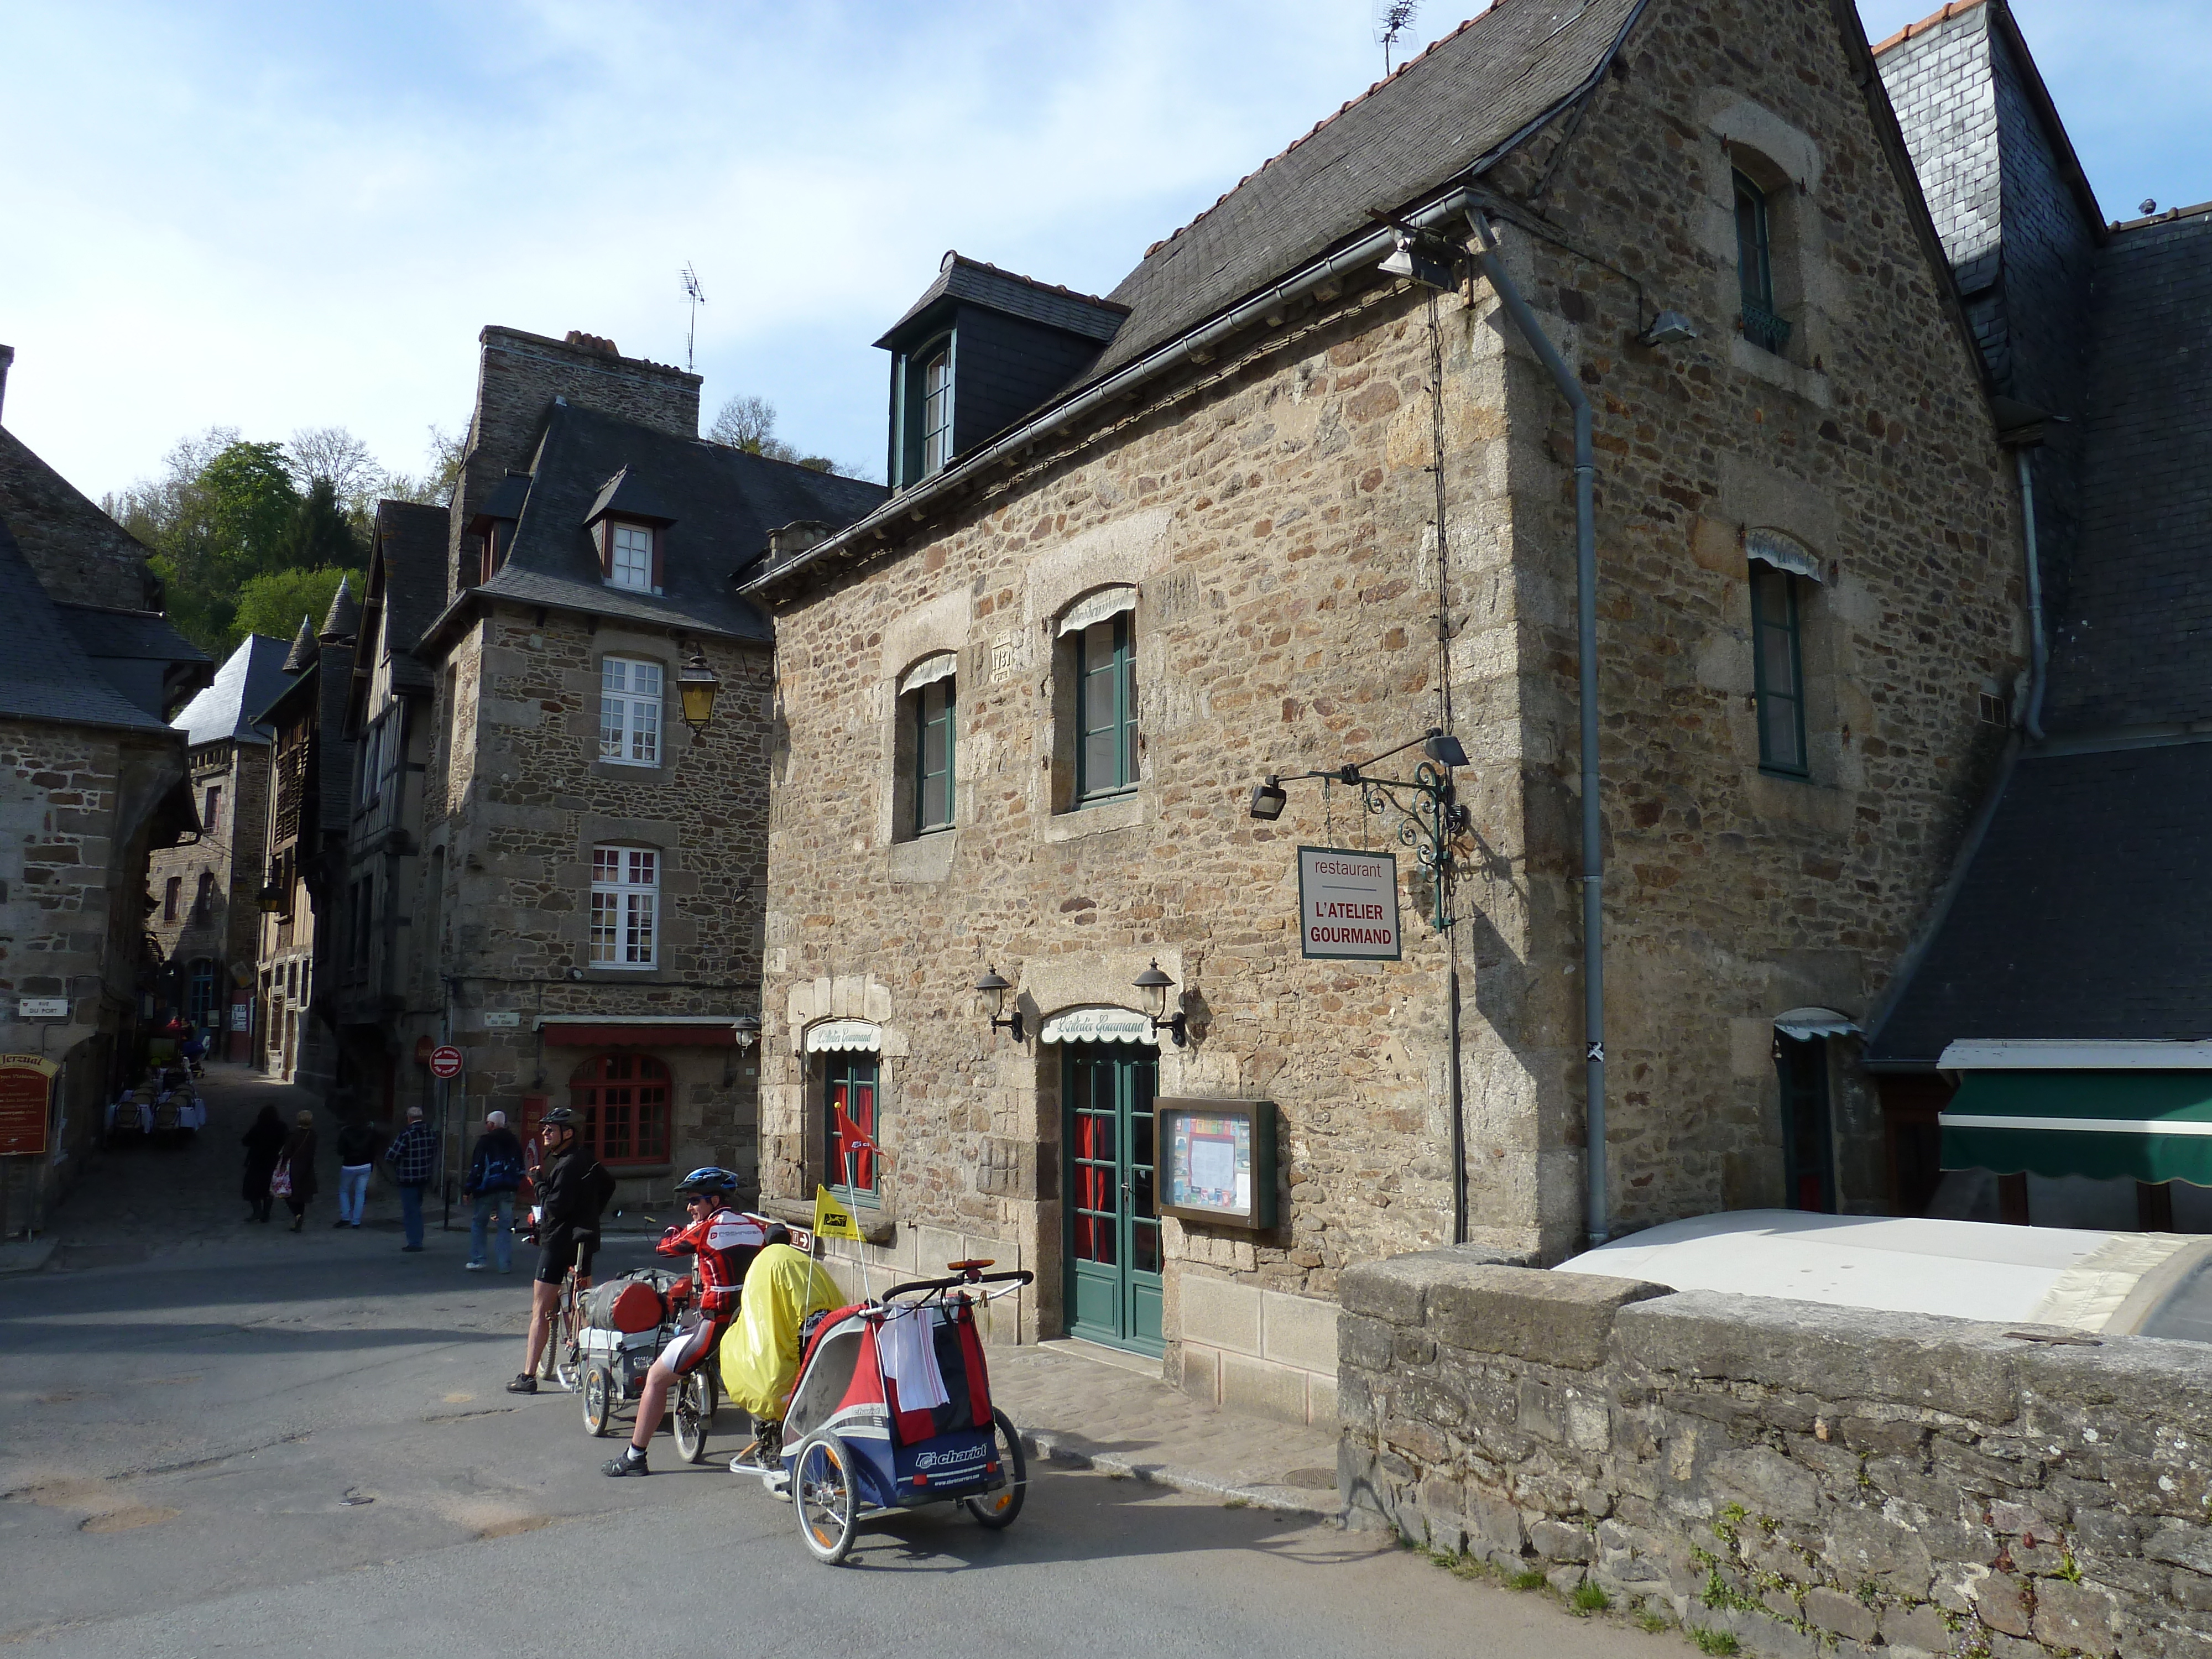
760 1351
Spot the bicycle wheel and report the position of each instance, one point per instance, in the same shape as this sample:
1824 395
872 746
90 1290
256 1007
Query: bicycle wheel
598 1392
998 1509
827 1496
693 1414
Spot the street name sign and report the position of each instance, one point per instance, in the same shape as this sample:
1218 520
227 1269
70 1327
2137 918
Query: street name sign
42 1008
501 1019
1348 904
445 1061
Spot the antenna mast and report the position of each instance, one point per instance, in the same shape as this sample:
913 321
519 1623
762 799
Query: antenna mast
697 297
1392 19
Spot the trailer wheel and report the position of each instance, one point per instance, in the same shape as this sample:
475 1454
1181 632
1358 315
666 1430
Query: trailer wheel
827 1496
997 1510
694 1414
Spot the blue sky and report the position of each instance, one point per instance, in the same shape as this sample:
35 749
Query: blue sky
276 216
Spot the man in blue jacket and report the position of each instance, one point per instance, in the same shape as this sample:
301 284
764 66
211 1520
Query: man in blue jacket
495 1172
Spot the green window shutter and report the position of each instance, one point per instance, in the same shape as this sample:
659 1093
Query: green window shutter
1778 670
1105 710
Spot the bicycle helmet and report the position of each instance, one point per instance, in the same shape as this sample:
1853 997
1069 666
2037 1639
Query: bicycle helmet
562 1117
710 1178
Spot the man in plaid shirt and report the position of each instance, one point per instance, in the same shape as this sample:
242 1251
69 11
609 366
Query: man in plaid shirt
410 1157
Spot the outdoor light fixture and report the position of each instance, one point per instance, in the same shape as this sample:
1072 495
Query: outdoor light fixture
991 981
1156 985
272 899
697 683
1416 261
1669 328
1430 818
748 1030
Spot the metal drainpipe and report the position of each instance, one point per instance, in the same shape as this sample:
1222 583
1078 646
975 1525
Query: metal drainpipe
2039 650
1586 644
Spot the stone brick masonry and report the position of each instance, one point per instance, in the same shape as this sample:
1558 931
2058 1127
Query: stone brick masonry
1813 1481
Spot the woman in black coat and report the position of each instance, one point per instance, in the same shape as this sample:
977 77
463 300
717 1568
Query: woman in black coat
298 1157
263 1144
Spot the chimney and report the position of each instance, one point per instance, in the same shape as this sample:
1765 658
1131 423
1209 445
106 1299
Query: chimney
7 359
519 377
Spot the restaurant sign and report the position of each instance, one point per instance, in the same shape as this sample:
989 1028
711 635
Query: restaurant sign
26 1090
1348 904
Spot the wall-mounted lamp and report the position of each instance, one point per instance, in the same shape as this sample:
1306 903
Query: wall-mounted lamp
696 684
1417 260
747 1029
272 899
1669 328
1268 800
1156 985
991 981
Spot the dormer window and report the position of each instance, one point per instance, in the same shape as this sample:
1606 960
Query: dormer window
936 411
629 559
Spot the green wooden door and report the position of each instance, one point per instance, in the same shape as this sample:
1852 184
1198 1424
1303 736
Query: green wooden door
1113 1233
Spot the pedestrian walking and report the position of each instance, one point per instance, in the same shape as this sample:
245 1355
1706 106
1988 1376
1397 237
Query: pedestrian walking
410 1157
495 1172
263 1144
357 1163
293 1180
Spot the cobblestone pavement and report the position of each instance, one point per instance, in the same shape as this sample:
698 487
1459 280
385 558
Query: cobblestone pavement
1075 1404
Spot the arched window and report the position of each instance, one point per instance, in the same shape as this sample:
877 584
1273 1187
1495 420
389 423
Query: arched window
623 1101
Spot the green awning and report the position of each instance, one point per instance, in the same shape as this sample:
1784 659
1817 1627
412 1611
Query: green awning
2154 1125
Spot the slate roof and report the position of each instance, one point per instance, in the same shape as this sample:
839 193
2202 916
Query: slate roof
963 278
1442 116
128 636
80 554
44 673
244 686
411 549
2084 914
723 502
2135 647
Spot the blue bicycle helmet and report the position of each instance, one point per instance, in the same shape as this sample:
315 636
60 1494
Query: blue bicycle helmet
709 1178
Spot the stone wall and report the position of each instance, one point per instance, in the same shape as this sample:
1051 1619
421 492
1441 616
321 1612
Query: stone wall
1810 1480
516 798
235 855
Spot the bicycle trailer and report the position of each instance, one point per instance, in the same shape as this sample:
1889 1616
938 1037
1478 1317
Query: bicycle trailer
892 1411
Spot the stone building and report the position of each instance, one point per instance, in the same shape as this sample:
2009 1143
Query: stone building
2062 982
309 808
207 915
1299 511
92 780
555 872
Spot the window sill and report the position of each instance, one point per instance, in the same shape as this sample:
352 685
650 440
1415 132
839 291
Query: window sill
631 772
625 587
625 968
1780 372
876 1227
1099 817
1783 774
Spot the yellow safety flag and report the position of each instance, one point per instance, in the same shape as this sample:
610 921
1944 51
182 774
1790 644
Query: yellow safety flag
832 1219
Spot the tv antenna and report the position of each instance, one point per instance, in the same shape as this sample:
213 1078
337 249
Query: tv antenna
1392 18
697 296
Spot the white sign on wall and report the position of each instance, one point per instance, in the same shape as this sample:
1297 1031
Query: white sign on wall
241 1016
1098 1025
501 1020
42 1008
1348 903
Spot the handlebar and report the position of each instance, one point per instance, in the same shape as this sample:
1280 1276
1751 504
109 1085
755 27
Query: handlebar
1017 1276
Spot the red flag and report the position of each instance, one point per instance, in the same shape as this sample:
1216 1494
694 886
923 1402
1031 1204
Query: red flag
849 1136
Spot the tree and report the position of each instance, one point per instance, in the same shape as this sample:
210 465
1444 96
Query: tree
273 605
323 535
333 455
748 423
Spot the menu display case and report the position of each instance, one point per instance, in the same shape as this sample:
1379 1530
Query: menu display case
1218 1162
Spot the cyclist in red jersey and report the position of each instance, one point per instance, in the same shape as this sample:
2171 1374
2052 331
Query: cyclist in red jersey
722 1244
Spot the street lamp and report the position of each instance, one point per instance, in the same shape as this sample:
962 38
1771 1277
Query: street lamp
271 898
1156 985
697 683
1430 815
998 985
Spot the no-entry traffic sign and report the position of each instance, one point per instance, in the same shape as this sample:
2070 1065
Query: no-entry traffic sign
445 1061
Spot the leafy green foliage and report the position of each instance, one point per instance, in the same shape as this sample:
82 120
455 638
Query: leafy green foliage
1589 1597
1532 1578
1721 1644
273 605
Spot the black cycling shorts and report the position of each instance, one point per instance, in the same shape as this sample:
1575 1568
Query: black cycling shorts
554 1259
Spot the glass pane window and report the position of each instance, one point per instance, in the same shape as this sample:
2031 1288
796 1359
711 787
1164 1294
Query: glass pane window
850 1099
630 711
625 901
934 711
623 1102
1753 251
937 412
1106 709
630 562
212 814
1777 670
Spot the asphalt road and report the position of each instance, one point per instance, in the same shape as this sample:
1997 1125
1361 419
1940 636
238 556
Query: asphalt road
260 1442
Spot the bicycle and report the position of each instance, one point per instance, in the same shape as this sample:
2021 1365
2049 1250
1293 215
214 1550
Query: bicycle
562 1361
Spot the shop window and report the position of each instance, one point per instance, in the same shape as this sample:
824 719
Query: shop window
630 711
850 1092
623 1101
625 907
1778 670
